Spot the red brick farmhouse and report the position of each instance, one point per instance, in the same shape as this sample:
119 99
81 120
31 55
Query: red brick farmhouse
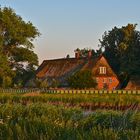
61 69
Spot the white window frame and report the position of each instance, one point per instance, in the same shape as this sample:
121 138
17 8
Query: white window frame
110 80
97 79
104 80
102 70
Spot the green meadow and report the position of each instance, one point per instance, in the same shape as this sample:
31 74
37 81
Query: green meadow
69 116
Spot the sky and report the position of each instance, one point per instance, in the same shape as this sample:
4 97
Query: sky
69 24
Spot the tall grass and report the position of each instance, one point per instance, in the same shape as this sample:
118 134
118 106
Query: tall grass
62 117
85 101
43 121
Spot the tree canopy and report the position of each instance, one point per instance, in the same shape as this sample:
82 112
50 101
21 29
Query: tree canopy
84 52
17 57
82 79
122 49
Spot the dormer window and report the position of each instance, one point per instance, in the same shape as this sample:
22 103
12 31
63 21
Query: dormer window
102 70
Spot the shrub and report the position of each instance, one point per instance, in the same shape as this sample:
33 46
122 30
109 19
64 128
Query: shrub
82 79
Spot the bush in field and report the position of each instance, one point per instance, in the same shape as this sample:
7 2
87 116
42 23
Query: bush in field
82 79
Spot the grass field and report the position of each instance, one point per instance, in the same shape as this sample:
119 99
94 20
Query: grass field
69 117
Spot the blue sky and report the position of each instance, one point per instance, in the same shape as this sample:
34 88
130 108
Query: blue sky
69 24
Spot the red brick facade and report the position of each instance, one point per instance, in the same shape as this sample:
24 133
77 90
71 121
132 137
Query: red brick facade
107 82
105 76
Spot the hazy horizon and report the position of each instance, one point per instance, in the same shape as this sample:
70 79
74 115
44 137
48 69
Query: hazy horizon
67 25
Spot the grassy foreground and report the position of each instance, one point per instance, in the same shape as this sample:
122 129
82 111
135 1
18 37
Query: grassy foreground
69 117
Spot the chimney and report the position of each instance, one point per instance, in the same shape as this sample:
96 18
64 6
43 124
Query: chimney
77 54
89 54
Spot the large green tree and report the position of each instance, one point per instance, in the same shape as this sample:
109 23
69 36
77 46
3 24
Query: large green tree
17 58
82 79
122 49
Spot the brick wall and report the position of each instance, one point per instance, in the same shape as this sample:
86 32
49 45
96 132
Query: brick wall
107 82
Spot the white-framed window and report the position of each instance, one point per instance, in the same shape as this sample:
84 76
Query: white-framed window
102 70
97 80
114 88
104 80
110 80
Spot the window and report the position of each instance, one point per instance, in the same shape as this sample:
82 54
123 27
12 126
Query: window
114 88
102 70
110 80
97 80
104 80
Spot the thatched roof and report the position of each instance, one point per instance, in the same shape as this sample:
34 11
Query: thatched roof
59 67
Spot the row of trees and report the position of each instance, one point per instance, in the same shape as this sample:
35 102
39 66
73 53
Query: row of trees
18 61
17 58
